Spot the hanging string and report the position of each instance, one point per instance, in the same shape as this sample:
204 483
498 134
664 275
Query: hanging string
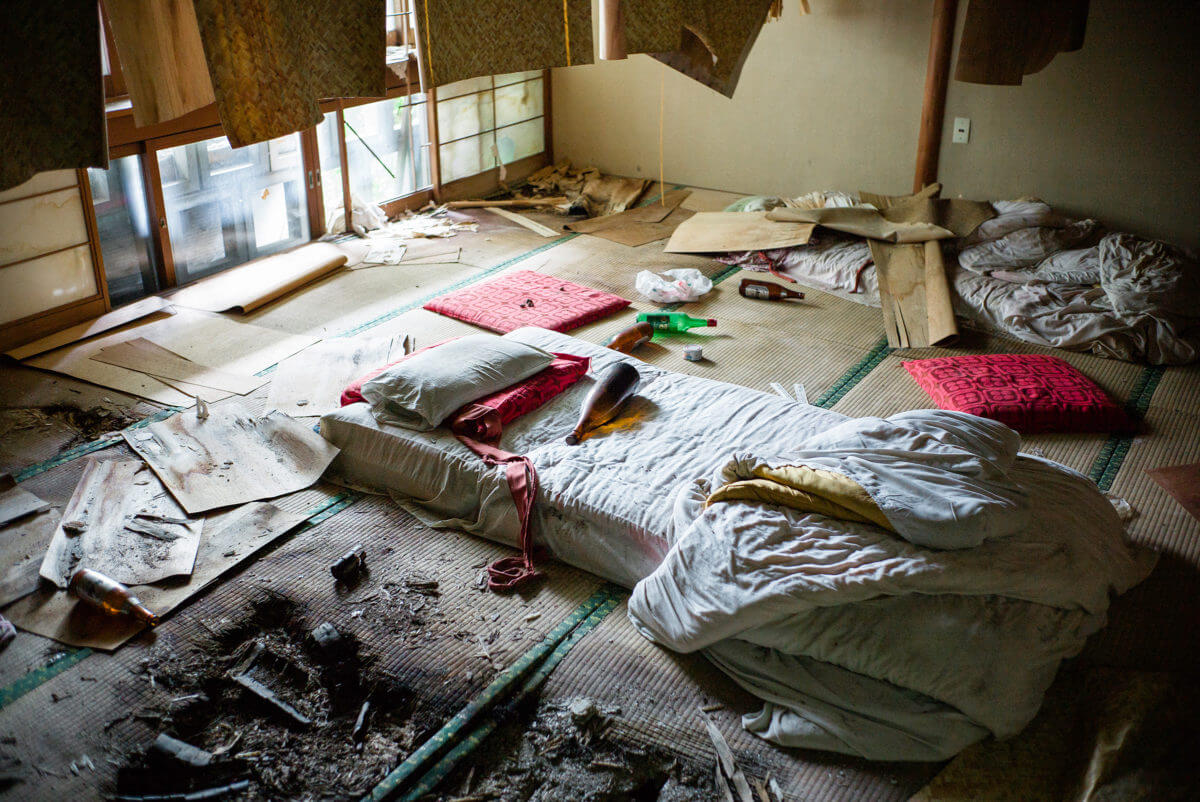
428 47
567 32
662 103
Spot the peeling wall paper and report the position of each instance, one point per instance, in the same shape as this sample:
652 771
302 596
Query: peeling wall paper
462 39
52 97
122 522
232 456
271 60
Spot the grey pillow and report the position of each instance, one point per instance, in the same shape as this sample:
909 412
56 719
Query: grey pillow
423 390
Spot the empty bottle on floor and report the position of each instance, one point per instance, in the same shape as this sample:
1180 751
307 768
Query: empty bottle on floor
674 321
109 595
628 339
766 290
606 400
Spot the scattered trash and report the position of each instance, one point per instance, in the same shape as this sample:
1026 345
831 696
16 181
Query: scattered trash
240 675
798 395
693 353
673 321
7 632
766 290
219 792
606 400
727 768
109 596
201 409
583 710
360 724
628 339
326 636
674 286
181 750
348 567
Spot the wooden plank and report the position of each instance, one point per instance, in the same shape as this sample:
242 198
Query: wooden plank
121 523
714 232
230 538
522 220
311 382
232 456
509 203
145 356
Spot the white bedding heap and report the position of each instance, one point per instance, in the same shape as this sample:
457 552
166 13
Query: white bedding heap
905 646
857 640
1040 277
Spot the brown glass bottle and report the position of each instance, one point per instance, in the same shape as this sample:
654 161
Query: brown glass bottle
766 290
628 339
109 595
606 400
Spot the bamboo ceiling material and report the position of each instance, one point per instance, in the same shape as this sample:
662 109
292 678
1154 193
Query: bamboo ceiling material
52 103
463 39
161 57
271 60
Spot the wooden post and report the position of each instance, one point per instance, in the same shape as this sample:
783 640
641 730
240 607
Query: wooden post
933 107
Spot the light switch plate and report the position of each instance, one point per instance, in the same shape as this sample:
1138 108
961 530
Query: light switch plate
962 130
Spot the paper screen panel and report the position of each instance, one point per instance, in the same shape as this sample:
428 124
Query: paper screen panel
46 282
518 102
41 224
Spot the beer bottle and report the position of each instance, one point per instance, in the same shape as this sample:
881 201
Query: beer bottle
109 595
606 400
673 321
766 290
628 339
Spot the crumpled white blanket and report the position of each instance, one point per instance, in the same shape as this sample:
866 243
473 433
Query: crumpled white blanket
884 646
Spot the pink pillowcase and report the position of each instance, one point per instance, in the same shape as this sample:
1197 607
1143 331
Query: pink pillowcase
527 298
1028 392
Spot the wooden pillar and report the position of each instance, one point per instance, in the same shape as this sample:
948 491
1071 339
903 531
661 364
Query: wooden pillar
933 107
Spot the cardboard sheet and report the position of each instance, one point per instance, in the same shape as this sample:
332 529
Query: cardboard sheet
146 357
15 502
639 226
1183 483
232 456
229 539
121 522
205 339
90 328
257 283
23 543
311 382
716 232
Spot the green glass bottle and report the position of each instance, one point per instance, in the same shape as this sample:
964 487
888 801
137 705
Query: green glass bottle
673 321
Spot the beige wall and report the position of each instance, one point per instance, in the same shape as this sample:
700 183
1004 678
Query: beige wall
832 101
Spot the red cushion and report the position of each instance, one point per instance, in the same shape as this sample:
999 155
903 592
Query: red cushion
1029 392
503 304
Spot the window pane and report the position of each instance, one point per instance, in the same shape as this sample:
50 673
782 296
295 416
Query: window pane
331 165
465 116
521 140
467 157
384 149
517 102
123 221
514 77
226 206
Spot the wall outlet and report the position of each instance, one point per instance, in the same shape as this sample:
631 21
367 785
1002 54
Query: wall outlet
962 130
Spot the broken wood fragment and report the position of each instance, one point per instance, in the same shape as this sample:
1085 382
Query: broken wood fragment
511 203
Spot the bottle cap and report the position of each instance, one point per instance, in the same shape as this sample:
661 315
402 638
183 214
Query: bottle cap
712 322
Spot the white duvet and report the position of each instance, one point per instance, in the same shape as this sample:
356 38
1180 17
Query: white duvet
894 647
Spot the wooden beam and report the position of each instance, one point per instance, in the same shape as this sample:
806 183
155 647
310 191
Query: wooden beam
933 107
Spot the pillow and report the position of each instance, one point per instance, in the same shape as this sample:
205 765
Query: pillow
1028 392
421 391
527 298
352 394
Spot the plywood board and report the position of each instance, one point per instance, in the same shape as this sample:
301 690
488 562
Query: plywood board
121 522
1183 483
311 382
147 357
206 339
640 226
90 328
719 232
867 223
522 220
232 456
230 538
15 502
259 282
22 545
